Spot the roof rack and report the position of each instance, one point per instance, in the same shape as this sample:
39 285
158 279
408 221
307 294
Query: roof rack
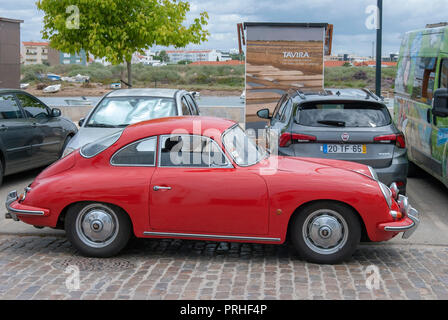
370 94
436 25
301 94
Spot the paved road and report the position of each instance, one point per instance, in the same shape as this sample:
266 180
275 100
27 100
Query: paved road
33 264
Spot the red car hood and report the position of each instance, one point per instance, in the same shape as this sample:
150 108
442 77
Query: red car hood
295 164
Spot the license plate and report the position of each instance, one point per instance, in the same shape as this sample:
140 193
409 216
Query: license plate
344 148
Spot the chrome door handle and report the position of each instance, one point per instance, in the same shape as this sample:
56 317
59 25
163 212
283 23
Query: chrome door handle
158 188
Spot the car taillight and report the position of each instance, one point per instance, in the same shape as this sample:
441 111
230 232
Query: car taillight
287 138
397 138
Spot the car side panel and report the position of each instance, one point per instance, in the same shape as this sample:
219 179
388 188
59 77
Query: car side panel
289 191
125 187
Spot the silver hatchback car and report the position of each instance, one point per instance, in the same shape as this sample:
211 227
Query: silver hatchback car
341 124
120 108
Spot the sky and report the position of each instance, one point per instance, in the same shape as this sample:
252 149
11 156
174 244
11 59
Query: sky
348 17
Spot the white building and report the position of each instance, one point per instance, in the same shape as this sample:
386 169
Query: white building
34 52
194 55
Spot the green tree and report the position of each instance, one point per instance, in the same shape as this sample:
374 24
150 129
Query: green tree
116 29
163 56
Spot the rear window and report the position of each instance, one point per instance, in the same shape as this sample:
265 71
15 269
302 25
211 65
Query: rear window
92 149
343 115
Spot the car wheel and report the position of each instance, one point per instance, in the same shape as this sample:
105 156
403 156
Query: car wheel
1 173
97 229
326 232
67 140
413 170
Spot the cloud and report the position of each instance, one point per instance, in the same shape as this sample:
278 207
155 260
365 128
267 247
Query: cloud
348 17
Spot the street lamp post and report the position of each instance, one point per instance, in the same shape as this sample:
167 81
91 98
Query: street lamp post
379 40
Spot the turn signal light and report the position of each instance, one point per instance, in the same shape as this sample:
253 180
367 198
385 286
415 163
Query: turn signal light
287 138
396 215
397 138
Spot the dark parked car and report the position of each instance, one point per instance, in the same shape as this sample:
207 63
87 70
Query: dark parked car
31 134
342 124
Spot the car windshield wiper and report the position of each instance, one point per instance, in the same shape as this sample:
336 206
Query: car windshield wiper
100 125
334 123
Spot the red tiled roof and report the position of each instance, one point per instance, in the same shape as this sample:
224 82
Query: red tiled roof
30 43
230 62
330 64
373 63
188 51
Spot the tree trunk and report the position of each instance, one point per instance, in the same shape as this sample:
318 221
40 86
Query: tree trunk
129 65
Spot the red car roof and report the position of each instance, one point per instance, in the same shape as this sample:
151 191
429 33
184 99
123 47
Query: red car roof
208 126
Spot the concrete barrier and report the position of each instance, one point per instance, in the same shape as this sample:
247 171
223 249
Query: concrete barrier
236 114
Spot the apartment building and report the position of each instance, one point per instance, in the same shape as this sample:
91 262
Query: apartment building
10 53
34 52
194 55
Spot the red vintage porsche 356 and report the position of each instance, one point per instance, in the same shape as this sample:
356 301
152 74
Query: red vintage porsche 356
203 178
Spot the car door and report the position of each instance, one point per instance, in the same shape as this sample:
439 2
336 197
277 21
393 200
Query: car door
15 133
47 143
196 189
439 136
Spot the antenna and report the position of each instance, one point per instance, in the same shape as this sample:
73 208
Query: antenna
370 94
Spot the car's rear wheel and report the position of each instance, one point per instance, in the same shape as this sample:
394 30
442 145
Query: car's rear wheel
97 229
1 172
413 170
326 232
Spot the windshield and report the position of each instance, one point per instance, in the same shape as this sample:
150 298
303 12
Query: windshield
344 115
124 111
241 147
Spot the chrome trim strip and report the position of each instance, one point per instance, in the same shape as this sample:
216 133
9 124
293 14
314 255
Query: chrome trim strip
209 236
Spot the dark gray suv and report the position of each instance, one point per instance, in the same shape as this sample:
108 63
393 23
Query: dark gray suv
31 134
341 124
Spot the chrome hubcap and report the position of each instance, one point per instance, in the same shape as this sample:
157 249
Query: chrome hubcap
325 231
97 225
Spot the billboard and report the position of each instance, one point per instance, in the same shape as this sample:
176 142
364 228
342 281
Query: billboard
280 57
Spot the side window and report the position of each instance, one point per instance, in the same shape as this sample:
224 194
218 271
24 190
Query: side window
191 152
9 108
277 107
424 78
138 154
280 116
444 74
32 107
185 107
286 114
193 105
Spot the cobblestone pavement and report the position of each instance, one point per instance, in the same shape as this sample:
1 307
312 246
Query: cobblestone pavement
41 267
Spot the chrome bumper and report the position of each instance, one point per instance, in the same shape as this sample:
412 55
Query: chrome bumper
408 211
12 212
10 198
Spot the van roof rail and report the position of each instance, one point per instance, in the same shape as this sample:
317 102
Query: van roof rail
436 25
301 94
370 94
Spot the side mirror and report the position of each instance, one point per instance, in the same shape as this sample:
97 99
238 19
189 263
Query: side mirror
56 112
264 114
81 122
440 103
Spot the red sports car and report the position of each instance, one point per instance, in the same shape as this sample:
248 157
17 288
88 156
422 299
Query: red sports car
203 178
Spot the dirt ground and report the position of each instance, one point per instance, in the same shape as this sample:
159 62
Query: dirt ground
97 90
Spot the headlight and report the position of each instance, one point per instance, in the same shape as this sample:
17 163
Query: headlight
67 151
373 173
387 193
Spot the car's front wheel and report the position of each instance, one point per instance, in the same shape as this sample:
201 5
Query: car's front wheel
326 232
97 229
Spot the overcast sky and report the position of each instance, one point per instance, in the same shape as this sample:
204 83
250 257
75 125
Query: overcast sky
348 17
